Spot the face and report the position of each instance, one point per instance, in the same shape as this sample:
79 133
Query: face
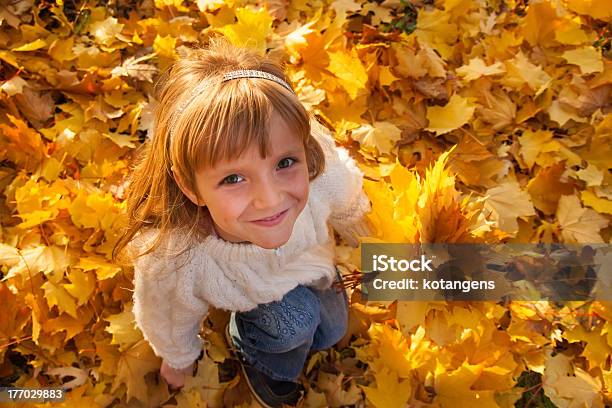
257 200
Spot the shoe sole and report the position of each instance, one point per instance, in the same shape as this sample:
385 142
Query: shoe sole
235 353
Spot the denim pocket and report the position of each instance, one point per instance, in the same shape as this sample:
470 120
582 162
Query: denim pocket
278 327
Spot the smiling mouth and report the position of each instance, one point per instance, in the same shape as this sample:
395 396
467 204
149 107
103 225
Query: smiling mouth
272 218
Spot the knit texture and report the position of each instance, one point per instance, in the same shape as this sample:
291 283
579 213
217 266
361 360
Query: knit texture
172 294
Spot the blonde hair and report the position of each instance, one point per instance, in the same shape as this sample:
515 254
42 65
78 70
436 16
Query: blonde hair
220 123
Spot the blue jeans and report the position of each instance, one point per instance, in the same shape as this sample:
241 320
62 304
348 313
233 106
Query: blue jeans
277 337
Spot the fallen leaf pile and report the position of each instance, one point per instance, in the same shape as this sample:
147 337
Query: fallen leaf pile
473 121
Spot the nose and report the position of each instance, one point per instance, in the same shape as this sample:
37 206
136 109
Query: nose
268 194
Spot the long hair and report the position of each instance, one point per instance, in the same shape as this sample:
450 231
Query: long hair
220 123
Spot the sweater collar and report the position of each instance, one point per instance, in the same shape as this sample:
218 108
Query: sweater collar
235 251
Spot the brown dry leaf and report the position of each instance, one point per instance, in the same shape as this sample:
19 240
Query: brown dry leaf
507 202
546 188
579 224
333 386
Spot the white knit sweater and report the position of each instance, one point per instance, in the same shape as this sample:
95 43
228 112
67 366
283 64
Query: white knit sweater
170 301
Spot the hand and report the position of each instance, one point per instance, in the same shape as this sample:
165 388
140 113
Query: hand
175 378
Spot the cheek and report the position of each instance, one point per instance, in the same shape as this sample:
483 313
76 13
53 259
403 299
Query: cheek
300 185
226 208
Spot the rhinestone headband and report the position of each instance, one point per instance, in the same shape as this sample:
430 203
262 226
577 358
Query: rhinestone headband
228 76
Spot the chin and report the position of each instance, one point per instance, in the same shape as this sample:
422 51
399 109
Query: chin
272 244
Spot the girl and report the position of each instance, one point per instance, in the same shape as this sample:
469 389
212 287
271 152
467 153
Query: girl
229 206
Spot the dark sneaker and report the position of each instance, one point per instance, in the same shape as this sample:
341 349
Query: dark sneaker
269 392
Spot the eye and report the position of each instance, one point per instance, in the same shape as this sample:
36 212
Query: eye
231 179
286 162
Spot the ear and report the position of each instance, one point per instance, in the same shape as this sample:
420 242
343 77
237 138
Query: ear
188 193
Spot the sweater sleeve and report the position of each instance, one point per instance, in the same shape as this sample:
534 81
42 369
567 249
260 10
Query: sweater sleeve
341 183
167 310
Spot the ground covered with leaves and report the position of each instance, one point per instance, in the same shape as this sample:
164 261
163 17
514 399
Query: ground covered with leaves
481 121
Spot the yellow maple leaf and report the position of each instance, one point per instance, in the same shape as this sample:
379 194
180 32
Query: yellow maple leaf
389 391
108 354
349 70
251 29
534 142
400 354
37 217
30 261
51 169
477 68
588 58
178 4
388 228
38 201
386 77
601 205
81 285
123 328
441 215
296 40
32 46
132 366
56 295
453 387
435 29
105 31
495 377
191 399
13 318
37 316
456 113
312 52
24 146
540 24
519 71
596 8
61 49
571 33
103 268
596 348
165 46
206 382
379 137
94 210
67 323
